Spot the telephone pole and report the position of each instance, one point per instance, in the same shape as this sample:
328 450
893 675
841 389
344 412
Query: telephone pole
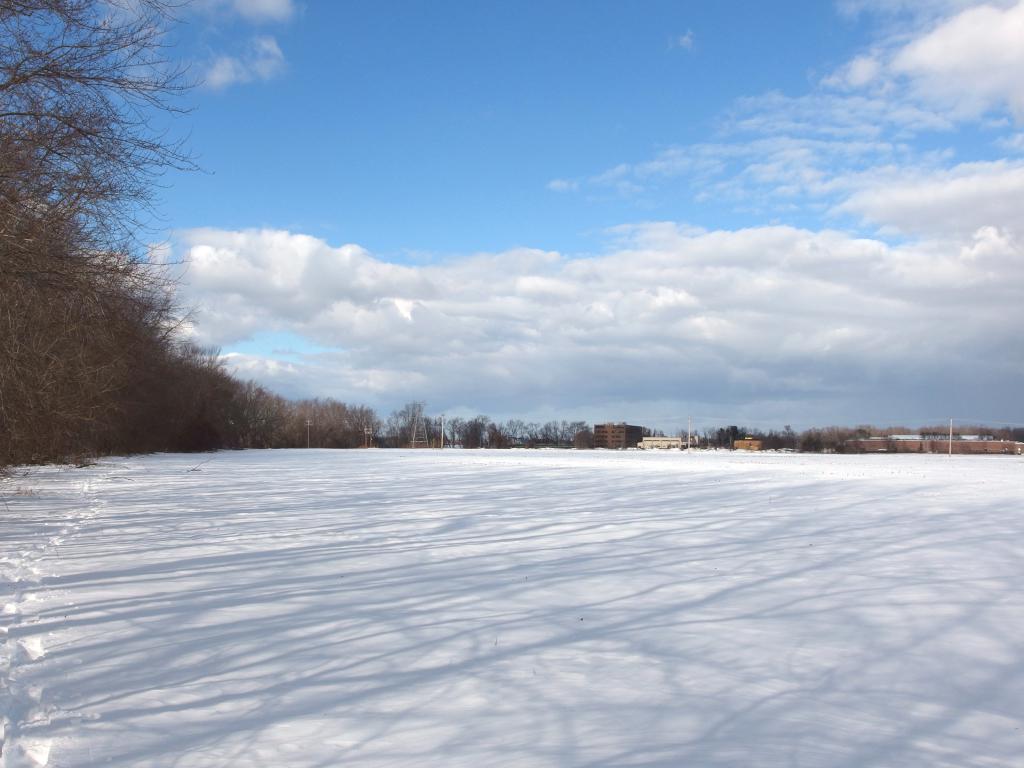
950 437
309 423
688 425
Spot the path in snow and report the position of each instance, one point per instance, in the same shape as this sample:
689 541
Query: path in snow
391 608
34 528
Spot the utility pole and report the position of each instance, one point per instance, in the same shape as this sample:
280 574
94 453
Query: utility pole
688 425
308 424
442 430
950 437
366 437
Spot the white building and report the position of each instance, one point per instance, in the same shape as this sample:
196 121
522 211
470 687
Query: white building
661 443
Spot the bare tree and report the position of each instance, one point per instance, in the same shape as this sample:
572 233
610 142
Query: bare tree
583 438
81 84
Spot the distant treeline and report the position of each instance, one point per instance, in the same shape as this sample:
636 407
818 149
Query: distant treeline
835 439
336 425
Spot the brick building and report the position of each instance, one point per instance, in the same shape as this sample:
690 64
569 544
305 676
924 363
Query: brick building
619 435
932 444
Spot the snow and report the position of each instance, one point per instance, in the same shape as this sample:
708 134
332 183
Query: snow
518 608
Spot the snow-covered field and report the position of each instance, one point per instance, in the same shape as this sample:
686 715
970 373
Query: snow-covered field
394 608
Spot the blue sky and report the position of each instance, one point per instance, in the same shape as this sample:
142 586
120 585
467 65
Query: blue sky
419 128
516 207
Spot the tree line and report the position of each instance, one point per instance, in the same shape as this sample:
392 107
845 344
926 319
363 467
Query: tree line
412 426
92 355
836 439
90 358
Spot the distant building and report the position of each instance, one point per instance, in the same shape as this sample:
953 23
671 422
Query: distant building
973 444
747 444
619 435
661 443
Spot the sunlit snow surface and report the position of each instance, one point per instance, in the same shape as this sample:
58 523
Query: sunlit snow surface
398 608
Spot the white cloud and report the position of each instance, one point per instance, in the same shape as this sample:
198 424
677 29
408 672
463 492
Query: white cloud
857 73
771 314
264 10
771 172
851 146
1012 143
970 62
834 116
563 185
262 60
770 317
989 243
621 179
686 41
915 9
941 202
962 59
254 11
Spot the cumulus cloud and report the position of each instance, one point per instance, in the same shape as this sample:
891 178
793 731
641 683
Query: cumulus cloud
953 202
773 322
261 60
971 62
771 316
963 59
